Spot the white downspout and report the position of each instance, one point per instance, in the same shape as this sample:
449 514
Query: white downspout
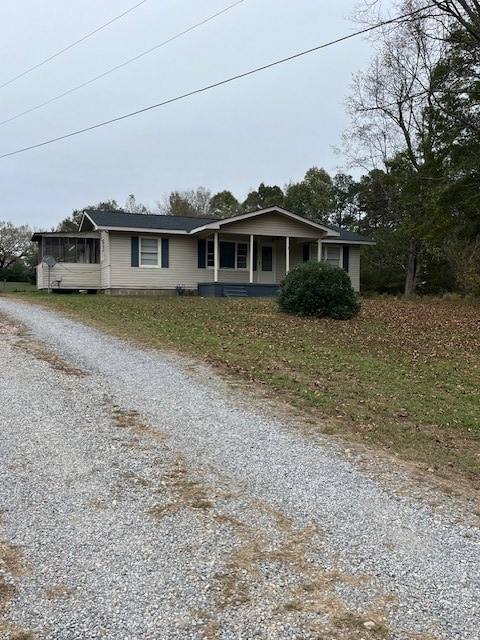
251 261
215 256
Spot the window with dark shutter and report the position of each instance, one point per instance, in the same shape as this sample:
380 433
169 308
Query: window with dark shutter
346 258
165 253
201 253
227 255
134 251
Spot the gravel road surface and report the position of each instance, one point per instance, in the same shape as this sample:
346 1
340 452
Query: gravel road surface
141 498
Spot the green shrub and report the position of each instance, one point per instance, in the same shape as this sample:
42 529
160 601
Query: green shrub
318 289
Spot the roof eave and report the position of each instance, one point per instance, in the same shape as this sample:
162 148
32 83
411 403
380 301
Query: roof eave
140 230
344 241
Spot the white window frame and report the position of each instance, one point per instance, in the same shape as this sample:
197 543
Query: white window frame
236 267
245 268
210 254
313 252
158 264
336 262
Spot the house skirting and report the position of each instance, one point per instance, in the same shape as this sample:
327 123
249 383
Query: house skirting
131 291
229 289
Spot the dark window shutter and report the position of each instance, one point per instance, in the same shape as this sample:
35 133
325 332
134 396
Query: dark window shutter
306 252
202 254
346 258
165 250
255 255
227 255
134 251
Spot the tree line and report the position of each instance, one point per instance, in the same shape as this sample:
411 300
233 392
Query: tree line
415 126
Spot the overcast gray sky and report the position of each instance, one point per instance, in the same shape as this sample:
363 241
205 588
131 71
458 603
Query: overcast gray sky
270 127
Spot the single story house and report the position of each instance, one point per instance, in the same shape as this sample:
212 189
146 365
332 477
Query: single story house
248 254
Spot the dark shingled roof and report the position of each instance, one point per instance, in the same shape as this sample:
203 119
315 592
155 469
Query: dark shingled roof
146 221
348 236
183 223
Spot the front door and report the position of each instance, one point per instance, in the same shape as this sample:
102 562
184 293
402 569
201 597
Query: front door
266 265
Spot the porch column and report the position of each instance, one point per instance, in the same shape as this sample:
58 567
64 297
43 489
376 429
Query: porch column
287 254
250 266
215 256
319 250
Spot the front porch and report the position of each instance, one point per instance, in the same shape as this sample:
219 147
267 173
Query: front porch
259 261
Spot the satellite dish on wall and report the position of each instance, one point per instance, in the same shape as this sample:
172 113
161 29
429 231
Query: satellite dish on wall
49 261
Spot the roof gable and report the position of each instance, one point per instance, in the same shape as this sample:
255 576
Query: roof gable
224 222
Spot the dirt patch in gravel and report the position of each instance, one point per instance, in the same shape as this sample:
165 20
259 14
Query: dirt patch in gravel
22 339
11 567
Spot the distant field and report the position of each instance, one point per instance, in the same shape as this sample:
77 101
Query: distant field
404 376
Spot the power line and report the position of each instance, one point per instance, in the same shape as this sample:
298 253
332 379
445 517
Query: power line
124 64
213 85
70 46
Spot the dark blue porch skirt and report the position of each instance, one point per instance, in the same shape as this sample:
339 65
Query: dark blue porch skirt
217 289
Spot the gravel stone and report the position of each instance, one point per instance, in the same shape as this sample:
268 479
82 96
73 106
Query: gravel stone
148 501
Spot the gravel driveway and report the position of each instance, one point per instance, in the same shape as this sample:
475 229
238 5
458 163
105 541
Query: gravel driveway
140 499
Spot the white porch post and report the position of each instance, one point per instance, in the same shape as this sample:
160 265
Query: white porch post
319 250
215 256
287 254
250 266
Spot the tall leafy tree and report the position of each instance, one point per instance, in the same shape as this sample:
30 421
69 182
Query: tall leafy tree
345 201
223 205
313 197
454 116
465 12
187 202
265 196
389 125
15 245
72 222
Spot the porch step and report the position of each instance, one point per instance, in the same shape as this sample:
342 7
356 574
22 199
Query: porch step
235 292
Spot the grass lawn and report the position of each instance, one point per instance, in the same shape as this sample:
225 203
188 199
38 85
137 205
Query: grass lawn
404 376
16 287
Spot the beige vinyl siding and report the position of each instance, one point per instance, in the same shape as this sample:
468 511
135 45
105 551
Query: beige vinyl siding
296 255
105 259
281 259
73 276
272 224
354 267
183 265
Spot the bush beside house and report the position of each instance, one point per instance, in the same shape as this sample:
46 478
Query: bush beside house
318 289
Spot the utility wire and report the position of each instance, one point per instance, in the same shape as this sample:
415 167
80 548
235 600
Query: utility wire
70 46
120 66
213 85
